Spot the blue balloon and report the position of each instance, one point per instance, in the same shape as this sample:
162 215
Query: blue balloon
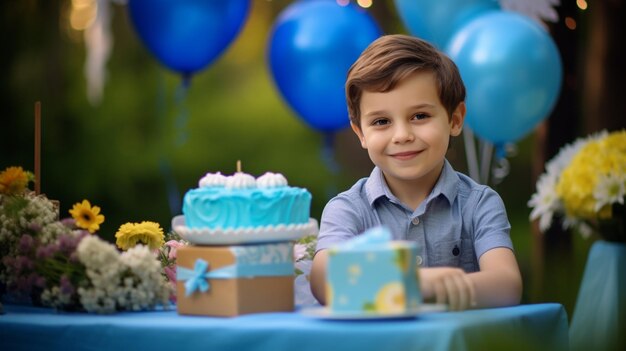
512 71
437 20
187 35
312 46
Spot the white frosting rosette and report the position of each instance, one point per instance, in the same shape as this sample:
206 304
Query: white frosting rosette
240 180
212 180
271 180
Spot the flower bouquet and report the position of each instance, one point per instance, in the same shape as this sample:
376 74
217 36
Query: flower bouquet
303 252
63 264
585 185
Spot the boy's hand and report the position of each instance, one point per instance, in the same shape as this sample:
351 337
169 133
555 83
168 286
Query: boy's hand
449 286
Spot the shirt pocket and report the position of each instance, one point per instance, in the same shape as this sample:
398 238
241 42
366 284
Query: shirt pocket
447 254
456 253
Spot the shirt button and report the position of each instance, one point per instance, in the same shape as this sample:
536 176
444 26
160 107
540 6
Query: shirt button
418 260
416 220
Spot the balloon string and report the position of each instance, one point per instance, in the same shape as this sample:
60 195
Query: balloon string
492 160
502 167
180 124
328 153
328 157
173 195
470 154
486 155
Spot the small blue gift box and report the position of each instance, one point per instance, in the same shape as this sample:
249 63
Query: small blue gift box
235 280
373 274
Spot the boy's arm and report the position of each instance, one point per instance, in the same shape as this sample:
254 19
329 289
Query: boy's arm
498 283
318 276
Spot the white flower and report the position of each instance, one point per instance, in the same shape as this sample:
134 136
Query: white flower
611 189
147 287
539 10
302 286
563 158
96 253
545 201
299 252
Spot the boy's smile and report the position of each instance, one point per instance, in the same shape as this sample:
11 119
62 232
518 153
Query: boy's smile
406 132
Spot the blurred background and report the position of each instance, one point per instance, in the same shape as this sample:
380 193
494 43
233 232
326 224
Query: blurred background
137 148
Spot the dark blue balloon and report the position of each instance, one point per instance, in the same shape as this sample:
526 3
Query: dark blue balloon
187 35
312 46
512 70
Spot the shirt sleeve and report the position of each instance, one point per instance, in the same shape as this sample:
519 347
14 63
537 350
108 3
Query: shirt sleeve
491 225
340 221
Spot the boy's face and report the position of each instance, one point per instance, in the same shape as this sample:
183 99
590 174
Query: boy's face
406 131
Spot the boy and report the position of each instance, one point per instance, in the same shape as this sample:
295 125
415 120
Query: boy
406 100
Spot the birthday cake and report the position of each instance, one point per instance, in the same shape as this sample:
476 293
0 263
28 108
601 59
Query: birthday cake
242 201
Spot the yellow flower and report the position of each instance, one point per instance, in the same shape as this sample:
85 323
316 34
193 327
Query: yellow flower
147 233
14 180
580 179
87 217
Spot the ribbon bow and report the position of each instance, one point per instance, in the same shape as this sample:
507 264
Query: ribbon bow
196 279
255 262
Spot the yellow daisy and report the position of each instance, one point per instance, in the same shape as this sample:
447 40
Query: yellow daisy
87 217
14 180
146 233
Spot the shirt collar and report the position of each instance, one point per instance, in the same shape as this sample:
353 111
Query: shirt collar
447 185
376 187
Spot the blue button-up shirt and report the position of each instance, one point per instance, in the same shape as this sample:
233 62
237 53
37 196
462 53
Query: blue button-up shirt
458 222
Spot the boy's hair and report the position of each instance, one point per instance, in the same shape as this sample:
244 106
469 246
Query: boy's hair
390 59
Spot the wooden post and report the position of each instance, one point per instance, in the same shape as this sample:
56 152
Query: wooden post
37 147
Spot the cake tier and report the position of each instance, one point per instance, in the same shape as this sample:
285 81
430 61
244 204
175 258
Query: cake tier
211 207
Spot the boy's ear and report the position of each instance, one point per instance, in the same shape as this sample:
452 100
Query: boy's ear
359 133
458 117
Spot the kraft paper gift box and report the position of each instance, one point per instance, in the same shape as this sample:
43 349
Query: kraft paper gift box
235 280
372 274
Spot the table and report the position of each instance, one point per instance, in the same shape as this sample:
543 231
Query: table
524 327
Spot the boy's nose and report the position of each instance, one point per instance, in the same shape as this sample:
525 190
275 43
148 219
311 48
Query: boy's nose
402 134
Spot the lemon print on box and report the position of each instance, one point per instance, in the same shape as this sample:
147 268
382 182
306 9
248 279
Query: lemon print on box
391 298
402 257
329 294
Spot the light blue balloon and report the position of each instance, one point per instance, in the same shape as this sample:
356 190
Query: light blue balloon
437 20
312 46
512 71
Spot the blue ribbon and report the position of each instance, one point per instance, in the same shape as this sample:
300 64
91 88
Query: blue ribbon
197 279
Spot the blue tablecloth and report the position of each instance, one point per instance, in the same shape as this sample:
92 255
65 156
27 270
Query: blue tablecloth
525 327
599 318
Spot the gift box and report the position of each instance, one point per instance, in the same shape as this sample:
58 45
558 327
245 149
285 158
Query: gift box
373 274
235 280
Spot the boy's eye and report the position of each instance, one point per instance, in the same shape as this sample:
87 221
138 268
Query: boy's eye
380 122
420 116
